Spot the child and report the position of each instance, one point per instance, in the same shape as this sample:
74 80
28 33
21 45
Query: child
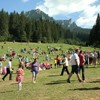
0 69
19 77
35 69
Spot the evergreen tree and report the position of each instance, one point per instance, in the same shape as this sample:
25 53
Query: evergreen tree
94 37
22 28
14 25
22 23
4 19
28 29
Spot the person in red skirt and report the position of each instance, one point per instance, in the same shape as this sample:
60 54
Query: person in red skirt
19 77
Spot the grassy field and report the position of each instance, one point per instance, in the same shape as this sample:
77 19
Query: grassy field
50 85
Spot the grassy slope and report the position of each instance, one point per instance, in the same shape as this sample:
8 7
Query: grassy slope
50 86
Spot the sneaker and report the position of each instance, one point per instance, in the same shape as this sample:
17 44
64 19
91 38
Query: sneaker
20 89
68 80
3 79
80 80
34 81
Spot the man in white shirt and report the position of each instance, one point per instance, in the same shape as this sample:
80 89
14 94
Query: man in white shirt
9 70
75 66
65 65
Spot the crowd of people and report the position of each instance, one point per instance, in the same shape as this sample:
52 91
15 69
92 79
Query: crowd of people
77 59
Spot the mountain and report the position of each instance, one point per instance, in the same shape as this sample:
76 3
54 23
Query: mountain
71 25
67 24
38 14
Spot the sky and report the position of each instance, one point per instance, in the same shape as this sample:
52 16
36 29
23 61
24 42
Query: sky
83 12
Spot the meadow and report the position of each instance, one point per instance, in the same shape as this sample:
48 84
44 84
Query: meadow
49 85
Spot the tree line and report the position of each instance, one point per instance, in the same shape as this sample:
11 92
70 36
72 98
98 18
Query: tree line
18 27
94 37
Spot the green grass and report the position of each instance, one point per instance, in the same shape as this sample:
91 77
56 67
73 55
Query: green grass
50 85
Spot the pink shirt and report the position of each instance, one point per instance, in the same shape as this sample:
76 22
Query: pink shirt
20 73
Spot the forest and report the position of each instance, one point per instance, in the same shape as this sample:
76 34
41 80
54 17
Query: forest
94 37
18 27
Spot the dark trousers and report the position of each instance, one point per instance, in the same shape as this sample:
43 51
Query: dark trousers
82 68
8 72
65 68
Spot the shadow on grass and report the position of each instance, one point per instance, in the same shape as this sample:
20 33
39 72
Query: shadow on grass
95 81
14 83
6 91
53 75
57 82
82 89
22 83
93 67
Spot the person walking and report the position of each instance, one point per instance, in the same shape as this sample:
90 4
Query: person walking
86 56
81 65
65 65
34 70
19 77
75 66
8 70
58 61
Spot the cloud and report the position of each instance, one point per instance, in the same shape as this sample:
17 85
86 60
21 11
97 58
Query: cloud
25 1
88 17
88 11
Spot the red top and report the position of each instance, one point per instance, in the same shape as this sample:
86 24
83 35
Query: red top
81 57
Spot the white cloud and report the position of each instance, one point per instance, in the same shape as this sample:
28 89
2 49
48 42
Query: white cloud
25 1
65 7
86 22
88 16
54 7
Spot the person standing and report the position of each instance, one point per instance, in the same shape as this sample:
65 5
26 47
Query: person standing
19 77
55 62
75 66
8 70
86 56
81 65
58 61
26 61
95 58
65 65
34 70
0 69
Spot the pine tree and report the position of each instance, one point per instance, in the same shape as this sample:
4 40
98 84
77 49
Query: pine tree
4 19
94 38
13 25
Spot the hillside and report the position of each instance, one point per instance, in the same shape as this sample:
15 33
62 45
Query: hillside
38 14
67 24
49 84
